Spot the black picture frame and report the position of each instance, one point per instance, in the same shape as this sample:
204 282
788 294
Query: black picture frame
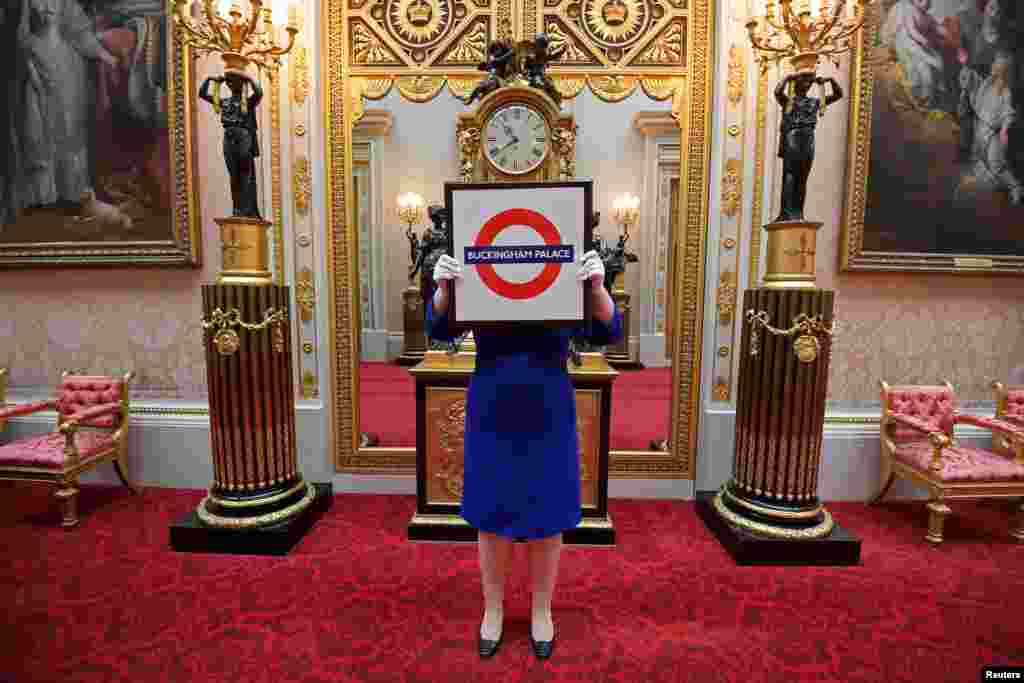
450 188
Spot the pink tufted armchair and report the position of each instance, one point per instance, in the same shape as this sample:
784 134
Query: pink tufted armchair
92 427
918 444
1009 408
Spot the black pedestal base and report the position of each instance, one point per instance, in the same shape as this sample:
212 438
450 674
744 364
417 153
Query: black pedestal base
839 548
453 529
190 535
410 358
624 363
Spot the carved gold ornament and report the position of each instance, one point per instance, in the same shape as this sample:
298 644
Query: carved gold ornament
568 86
726 297
226 340
302 188
417 23
419 88
367 47
307 347
452 428
300 75
806 348
660 88
471 48
723 351
721 390
376 88
461 87
300 129
737 75
568 51
729 243
277 338
666 49
613 88
809 327
732 187
305 294
469 145
310 389
615 23
734 130
565 145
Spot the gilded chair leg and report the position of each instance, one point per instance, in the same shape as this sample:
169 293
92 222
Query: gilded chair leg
121 467
885 490
1018 531
937 513
68 496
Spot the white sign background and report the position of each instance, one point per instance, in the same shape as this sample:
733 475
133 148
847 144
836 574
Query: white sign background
471 209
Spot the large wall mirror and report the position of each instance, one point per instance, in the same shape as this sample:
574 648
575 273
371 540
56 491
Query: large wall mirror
644 134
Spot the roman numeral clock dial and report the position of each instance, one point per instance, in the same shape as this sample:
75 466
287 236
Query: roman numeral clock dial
517 139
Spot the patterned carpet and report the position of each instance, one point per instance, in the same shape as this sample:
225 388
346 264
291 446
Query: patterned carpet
354 601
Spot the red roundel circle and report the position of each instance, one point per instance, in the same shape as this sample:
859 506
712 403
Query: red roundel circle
544 228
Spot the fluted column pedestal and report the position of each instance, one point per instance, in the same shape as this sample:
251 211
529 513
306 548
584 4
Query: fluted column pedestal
768 512
258 502
414 340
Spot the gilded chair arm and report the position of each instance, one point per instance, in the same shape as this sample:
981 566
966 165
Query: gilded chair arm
27 409
936 437
1013 432
992 424
72 422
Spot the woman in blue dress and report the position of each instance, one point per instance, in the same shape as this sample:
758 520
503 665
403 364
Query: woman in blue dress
522 476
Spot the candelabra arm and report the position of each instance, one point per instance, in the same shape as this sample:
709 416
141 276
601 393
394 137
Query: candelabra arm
823 34
254 20
276 51
845 34
787 24
217 25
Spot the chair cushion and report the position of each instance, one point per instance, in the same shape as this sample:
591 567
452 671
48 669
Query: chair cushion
1015 405
81 392
961 463
47 450
934 405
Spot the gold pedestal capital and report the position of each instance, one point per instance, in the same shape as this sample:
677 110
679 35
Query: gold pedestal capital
245 251
791 250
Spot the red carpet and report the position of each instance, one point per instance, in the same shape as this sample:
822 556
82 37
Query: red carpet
355 601
641 401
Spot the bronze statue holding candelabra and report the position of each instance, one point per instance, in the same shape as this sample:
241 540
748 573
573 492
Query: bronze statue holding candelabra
768 512
259 502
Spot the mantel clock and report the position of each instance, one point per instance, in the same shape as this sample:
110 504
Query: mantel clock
517 134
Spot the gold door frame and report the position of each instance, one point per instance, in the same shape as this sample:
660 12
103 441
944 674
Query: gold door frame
361 60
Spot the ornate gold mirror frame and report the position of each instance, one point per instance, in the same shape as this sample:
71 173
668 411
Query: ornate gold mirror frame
664 47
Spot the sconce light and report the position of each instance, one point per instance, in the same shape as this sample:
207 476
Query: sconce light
626 210
410 209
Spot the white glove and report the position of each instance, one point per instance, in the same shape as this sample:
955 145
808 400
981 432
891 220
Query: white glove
447 268
591 268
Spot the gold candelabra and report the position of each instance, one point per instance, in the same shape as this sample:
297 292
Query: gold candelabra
806 33
240 40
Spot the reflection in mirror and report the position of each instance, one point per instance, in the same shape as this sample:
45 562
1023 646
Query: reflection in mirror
399 173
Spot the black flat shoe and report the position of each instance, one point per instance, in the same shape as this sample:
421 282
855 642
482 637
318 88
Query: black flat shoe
487 648
542 649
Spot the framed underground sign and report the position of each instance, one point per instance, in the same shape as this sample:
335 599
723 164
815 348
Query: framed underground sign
519 245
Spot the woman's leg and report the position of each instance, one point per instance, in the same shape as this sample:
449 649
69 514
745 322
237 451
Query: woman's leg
544 554
495 557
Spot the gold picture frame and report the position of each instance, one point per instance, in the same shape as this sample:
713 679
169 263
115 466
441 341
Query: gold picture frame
360 63
868 57
184 244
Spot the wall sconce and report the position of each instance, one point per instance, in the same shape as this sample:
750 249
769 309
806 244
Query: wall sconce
626 210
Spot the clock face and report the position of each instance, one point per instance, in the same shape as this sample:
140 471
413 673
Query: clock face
516 139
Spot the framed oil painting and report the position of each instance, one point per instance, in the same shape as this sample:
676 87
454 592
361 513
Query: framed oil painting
97 154
936 164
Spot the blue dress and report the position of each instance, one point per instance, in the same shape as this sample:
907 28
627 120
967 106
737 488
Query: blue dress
521 461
